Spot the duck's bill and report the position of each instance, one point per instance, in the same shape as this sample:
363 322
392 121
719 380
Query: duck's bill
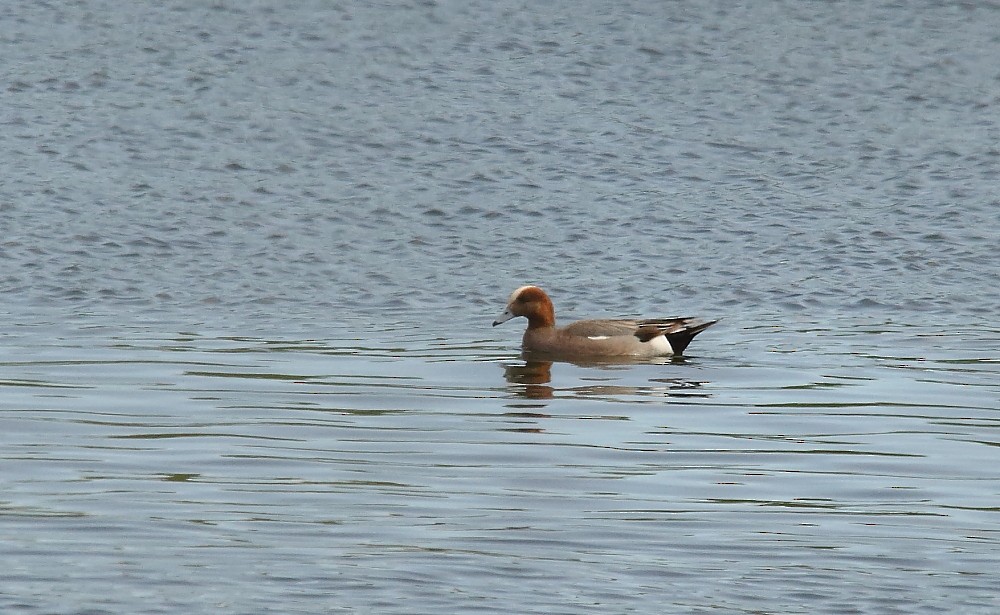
503 317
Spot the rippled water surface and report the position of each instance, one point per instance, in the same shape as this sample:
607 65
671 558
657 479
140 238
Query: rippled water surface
250 252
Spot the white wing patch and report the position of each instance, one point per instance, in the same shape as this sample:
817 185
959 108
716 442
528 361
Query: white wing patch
597 337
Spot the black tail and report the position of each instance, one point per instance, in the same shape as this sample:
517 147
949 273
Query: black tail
679 340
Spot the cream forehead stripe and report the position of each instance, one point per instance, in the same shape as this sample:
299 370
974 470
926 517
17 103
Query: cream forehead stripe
517 292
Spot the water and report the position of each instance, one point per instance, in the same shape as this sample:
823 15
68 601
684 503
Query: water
249 255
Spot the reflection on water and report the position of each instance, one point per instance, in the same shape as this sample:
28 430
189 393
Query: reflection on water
533 378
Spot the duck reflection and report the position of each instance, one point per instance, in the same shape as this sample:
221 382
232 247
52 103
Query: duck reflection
534 375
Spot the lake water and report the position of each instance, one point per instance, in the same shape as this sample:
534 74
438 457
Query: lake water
250 254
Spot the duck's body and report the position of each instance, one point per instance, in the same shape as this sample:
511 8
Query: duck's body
654 337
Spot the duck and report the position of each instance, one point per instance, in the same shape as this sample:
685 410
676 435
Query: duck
595 339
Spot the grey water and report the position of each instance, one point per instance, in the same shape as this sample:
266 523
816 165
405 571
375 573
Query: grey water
250 253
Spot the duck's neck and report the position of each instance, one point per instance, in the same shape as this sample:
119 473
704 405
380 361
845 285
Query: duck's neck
543 318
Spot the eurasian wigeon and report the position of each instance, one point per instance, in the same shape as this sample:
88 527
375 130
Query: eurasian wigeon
654 337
